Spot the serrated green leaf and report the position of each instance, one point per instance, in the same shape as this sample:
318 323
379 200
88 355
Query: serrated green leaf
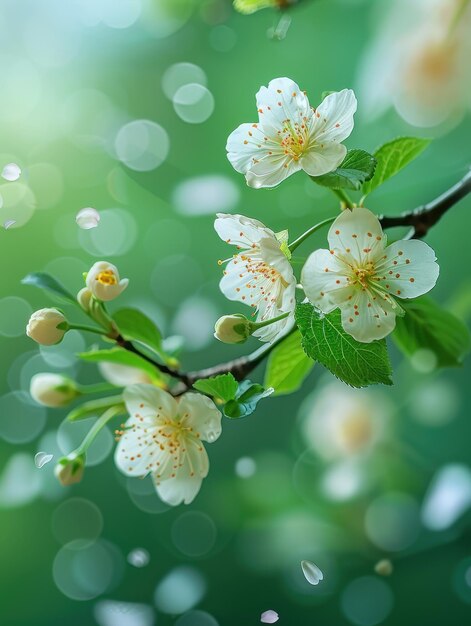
45 281
120 357
355 363
288 365
427 326
223 387
135 326
357 167
247 397
392 156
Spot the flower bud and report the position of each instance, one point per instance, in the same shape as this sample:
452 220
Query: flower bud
83 298
43 326
69 469
233 328
53 390
103 281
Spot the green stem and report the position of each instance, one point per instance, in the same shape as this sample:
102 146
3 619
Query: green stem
308 233
257 325
348 204
461 8
90 329
92 407
97 427
96 388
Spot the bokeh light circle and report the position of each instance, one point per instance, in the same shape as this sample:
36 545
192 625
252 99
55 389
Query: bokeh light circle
20 481
367 601
21 419
194 533
392 521
196 618
71 434
115 236
14 315
77 518
206 195
142 145
19 204
180 74
180 590
142 492
193 103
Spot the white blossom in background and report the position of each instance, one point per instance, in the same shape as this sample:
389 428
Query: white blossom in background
123 375
11 172
290 135
104 282
419 65
260 274
87 218
164 437
364 278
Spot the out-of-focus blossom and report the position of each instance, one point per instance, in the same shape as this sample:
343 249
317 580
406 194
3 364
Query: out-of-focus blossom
448 497
103 281
344 422
87 218
123 375
420 64
11 172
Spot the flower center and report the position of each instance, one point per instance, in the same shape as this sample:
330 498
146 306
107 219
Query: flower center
362 274
294 139
106 277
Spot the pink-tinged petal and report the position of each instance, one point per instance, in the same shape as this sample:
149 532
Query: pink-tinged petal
334 117
200 413
271 171
409 269
322 276
323 158
147 403
369 316
269 617
357 232
239 230
282 101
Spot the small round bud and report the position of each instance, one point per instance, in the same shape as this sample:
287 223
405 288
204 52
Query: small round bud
43 326
233 328
103 281
69 469
83 298
384 567
53 390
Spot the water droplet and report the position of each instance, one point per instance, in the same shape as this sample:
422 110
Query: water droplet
87 218
11 172
139 557
311 572
42 458
8 223
269 617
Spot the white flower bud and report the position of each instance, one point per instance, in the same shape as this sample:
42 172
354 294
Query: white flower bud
53 390
103 281
83 298
69 469
42 326
233 328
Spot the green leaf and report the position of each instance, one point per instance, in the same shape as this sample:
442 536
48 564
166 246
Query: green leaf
355 363
120 357
223 387
357 167
392 156
288 365
427 326
247 397
48 283
135 326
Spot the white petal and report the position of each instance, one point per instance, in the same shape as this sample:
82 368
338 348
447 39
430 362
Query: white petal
200 413
323 158
87 218
149 402
235 280
177 491
182 484
11 172
410 269
311 572
324 281
357 232
246 144
272 332
239 230
269 617
334 117
271 171
137 453
367 317
282 101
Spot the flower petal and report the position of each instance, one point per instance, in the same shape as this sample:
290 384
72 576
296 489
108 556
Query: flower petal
410 269
137 453
324 281
367 317
200 413
271 170
334 117
182 483
246 144
282 101
177 491
239 230
323 158
146 402
357 232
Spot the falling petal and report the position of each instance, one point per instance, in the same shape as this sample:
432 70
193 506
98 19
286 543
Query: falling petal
87 218
11 172
384 567
139 557
42 458
311 572
8 223
269 617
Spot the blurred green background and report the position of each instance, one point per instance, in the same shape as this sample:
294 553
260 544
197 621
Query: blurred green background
341 477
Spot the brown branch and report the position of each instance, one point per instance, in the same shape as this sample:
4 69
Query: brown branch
420 219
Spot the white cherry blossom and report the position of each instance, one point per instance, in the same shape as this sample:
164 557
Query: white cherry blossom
259 275
364 278
164 437
290 135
